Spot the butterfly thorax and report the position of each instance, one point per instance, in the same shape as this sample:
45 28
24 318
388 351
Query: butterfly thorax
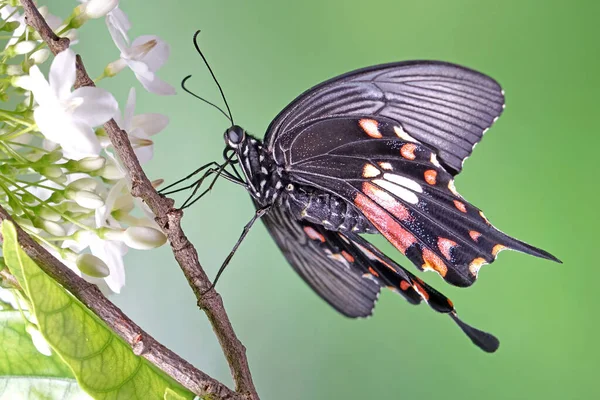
263 177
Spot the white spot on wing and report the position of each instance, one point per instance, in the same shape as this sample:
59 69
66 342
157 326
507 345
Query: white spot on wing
370 171
435 161
403 135
386 165
398 190
406 182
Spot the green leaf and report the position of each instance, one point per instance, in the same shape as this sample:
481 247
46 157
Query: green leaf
101 361
25 372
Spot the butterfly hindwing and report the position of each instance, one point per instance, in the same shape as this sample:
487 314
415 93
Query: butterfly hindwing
348 272
402 189
443 105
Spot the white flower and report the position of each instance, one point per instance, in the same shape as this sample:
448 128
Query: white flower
144 56
98 8
66 117
140 128
118 20
8 14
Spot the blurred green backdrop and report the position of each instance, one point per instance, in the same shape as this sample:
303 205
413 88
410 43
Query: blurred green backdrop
534 175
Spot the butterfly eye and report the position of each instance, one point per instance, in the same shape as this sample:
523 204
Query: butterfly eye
234 136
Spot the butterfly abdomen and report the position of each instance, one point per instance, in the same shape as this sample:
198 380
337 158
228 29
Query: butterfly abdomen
324 209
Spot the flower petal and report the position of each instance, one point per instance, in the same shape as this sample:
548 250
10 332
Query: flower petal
129 111
156 85
150 123
119 22
111 252
117 37
157 55
144 153
38 85
98 106
62 73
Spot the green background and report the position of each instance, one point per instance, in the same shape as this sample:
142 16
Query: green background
534 175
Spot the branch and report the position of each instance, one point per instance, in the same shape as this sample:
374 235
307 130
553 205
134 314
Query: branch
141 342
169 219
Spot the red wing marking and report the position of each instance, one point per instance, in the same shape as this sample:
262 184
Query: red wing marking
388 227
430 176
474 235
408 151
371 128
434 262
313 234
497 249
347 256
445 245
385 200
460 206
404 285
373 272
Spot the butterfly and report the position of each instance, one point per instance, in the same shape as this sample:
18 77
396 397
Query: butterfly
375 151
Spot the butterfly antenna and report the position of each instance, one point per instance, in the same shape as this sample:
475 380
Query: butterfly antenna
203 99
212 74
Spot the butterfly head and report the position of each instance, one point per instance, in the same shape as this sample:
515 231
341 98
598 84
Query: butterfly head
235 136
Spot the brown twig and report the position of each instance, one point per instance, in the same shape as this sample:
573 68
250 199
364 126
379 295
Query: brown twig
169 219
140 341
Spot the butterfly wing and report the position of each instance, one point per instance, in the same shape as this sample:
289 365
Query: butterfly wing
401 188
443 105
348 272
314 254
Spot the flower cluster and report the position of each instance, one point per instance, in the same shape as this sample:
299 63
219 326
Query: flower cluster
59 178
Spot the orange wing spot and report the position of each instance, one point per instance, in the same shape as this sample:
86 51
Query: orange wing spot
450 303
445 245
484 218
433 262
385 224
460 206
475 265
371 128
347 256
404 285
408 151
497 249
421 291
313 234
370 171
474 235
430 176
385 200
373 272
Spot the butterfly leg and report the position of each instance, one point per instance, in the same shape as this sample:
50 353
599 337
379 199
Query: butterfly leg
259 213
197 171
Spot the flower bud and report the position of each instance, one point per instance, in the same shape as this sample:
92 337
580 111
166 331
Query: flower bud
11 69
144 238
49 214
99 8
50 158
40 56
56 197
52 172
20 48
38 340
26 224
111 172
89 164
28 198
88 184
84 198
51 227
92 266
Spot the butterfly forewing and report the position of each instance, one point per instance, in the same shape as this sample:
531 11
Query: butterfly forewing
439 104
402 189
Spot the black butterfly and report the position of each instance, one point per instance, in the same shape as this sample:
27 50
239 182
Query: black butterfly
376 151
